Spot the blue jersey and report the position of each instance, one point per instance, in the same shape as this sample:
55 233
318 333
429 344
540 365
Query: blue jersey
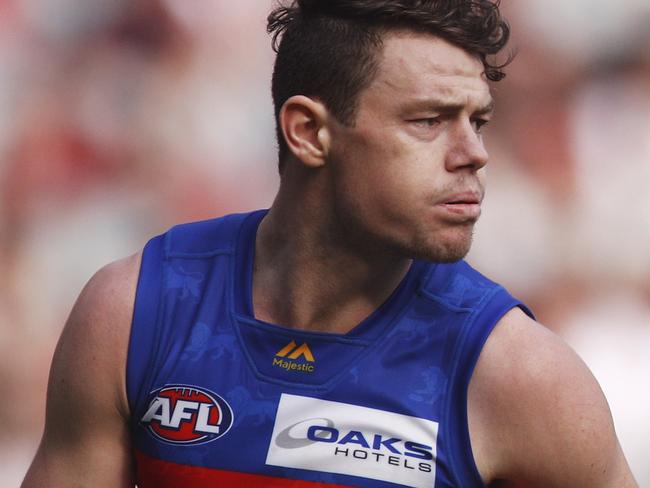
219 398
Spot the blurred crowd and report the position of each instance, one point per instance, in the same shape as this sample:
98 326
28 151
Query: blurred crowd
119 119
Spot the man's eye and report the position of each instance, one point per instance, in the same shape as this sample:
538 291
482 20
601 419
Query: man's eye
479 124
427 122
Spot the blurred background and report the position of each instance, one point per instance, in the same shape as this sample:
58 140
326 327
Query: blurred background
119 119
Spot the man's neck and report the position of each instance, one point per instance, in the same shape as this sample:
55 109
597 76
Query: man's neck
307 277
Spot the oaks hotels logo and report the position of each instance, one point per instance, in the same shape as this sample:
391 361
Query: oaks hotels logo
333 437
293 357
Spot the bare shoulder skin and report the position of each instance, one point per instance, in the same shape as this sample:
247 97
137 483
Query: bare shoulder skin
537 416
86 438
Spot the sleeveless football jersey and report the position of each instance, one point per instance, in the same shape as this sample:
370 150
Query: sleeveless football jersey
219 398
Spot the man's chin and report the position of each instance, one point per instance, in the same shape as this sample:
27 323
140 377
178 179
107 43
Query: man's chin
443 251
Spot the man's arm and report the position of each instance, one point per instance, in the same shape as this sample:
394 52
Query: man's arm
538 417
86 438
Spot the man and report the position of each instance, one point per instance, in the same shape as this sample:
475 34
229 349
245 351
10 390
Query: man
336 339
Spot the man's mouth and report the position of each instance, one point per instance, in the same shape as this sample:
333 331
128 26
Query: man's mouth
466 198
462 206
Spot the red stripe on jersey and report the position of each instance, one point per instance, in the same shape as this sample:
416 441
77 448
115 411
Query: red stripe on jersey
163 474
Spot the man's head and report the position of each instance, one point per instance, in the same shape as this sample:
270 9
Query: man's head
330 49
380 106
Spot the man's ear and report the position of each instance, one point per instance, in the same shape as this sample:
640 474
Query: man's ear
304 124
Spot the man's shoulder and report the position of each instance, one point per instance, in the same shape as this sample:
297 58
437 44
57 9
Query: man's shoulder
523 359
101 316
520 348
533 393
110 291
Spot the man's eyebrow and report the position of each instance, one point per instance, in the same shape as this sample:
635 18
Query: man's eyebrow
486 109
447 106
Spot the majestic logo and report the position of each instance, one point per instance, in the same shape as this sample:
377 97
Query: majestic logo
334 437
295 358
181 414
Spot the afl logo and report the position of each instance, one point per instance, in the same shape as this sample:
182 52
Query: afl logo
181 414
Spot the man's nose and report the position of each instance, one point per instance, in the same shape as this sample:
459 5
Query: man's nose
466 148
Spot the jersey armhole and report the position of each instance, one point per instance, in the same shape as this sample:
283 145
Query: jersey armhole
144 336
476 331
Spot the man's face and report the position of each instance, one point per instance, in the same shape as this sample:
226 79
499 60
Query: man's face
408 176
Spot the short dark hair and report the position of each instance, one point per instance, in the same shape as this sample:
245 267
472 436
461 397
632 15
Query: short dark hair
328 49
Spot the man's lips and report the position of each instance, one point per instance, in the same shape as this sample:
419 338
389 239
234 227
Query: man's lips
464 206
